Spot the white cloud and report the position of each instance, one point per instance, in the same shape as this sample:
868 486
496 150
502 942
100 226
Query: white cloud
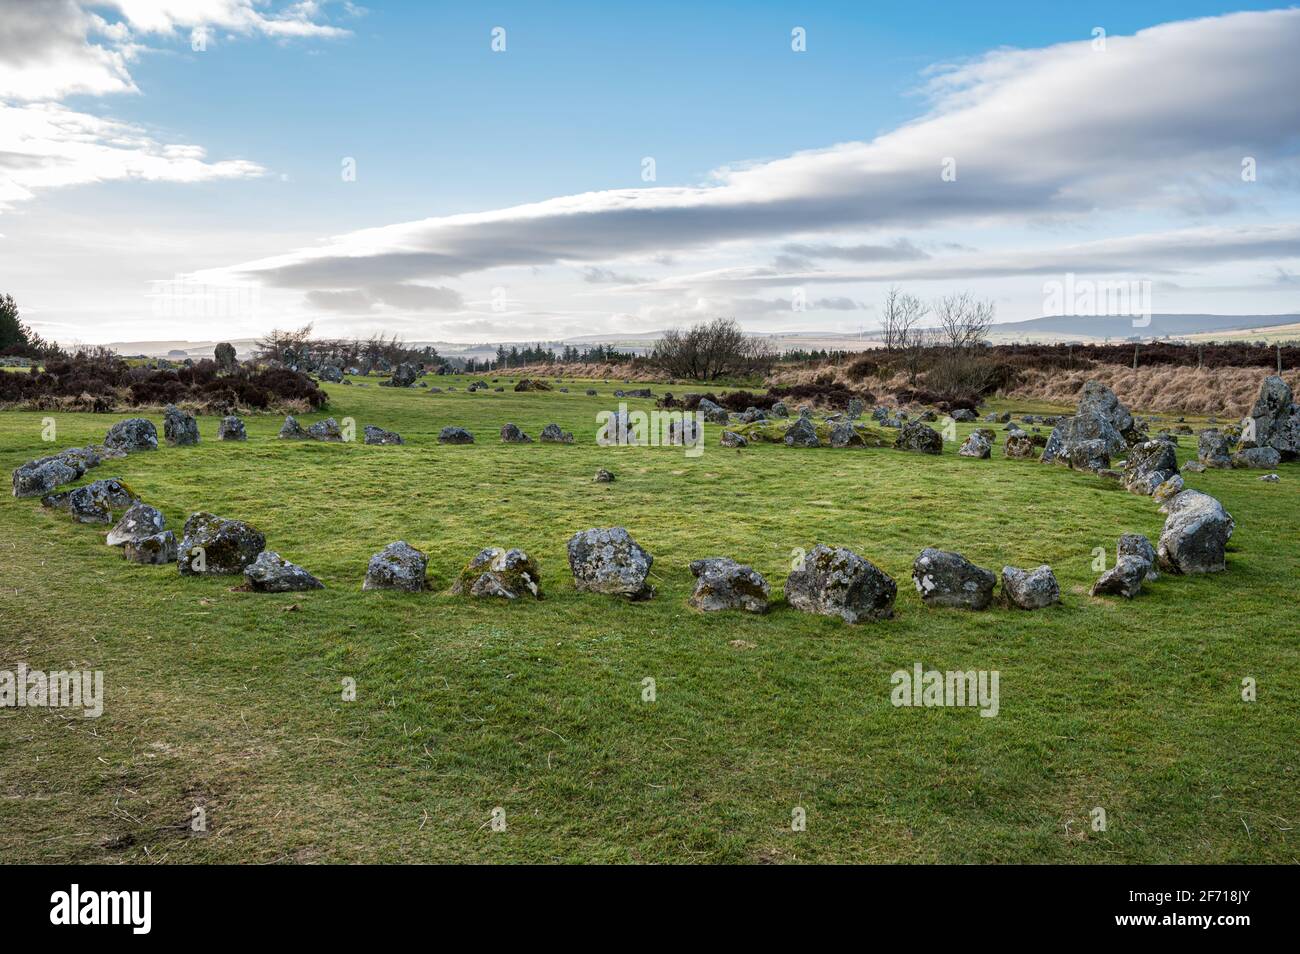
1160 120
47 146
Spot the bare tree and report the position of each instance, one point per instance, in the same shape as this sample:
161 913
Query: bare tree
711 350
901 317
963 321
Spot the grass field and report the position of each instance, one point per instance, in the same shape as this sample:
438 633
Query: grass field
232 701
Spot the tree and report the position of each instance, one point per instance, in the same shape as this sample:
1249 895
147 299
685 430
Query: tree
12 330
963 321
711 350
901 318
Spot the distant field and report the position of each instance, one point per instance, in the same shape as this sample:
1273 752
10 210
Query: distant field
231 701
1274 333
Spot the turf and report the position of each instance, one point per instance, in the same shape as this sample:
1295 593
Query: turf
233 701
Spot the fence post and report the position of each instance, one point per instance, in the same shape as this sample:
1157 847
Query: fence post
1135 355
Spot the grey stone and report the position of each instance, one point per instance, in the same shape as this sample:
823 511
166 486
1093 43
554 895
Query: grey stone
1030 589
215 545
272 573
455 435
802 433
511 434
1258 457
139 521
944 578
156 550
179 428
603 476
377 435
1195 534
732 439
834 581
292 430
497 572
609 561
713 412
1123 579
133 434
398 566
1213 448
326 430
976 445
723 584
552 434
231 428
915 436
1137 545
1149 465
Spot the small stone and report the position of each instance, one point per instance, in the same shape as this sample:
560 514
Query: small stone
603 476
455 435
272 573
231 428
377 435
724 584
398 566
1032 589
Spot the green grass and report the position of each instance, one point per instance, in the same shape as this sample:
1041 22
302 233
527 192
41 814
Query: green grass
233 701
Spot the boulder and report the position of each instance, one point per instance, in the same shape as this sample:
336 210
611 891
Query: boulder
603 476
732 439
139 521
214 545
1213 448
915 436
1020 447
156 550
1195 534
496 572
713 413
37 478
1100 400
403 376
1085 455
964 415
1137 545
1168 489
231 428
326 430
802 433
976 445
179 428
834 581
845 435
398 566
331 374
133 434
1274 421
272 573
511 434
1149 465
1123 579
609 561
1030 589
377 435
95 502
780 409
455 435
1265 458
292 430
552 434
724 584
856 407
944 578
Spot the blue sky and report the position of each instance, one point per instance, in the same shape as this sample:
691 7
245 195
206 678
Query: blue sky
440 125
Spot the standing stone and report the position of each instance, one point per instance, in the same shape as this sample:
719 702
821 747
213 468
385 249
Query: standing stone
1137 545
846 435
139 521
511 434
1195 534
603 476
779 409
834 581
1258 457
455 435
713 413
330 374
732 439
723 584
1123 579
1030 589
497 572
95 502
1214 448
377 435
1020 447
398 566
944 578
552 434
156 550
1149 465
802 433
131 435
215 545
915 436
856 407
231 428
977 446
609 561
404 376
326 430
39 477
272 573
292 430
1274 421
180 429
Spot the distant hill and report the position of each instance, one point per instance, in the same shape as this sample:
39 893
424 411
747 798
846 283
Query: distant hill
1088 327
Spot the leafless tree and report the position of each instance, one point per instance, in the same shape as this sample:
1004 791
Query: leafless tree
964 321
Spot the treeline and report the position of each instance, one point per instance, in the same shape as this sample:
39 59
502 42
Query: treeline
517 357
301 349
17 340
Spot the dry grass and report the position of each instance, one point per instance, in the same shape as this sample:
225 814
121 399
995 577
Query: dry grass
1227 392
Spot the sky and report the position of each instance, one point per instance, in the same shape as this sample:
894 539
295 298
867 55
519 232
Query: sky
482 172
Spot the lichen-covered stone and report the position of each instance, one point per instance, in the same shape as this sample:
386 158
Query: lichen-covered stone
511 434
455 435
1137 545
272 573
326 430
292 430
231 428
835 581
945 578
1030 589
377 435
603 476
179 428
553 434
156 550
607 560
976 445
398 566
215 545
1149 465
723 584
732 439
139 521
1123 579
915 436
497 572
1195 534
133 434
